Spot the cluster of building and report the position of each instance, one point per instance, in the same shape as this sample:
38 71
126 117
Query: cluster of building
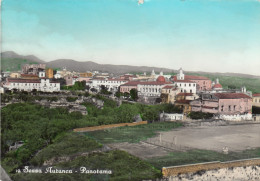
190 92
32 77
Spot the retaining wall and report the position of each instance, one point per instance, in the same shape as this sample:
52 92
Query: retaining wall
193 168
102 127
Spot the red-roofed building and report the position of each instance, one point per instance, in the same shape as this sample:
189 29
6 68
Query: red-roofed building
128 77
223 103
256 100
129 86
29 76
152 88
160 79
43 84
216 86
202 83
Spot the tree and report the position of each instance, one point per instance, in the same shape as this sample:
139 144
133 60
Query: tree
134 94
126 94
104 90
119 94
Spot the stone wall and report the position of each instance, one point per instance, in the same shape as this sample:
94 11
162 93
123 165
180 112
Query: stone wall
102 127
193 168
245 173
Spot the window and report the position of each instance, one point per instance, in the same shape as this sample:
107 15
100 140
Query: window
222 108
189 85
229 108
234 107
193 85
190 91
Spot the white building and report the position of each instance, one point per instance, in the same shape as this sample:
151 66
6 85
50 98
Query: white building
152 88
149 89
171 117
57 76
186 86
110 84
44 84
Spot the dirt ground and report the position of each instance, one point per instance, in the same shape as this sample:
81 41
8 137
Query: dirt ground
235 137
142 149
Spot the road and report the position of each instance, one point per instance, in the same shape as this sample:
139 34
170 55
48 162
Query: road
4 176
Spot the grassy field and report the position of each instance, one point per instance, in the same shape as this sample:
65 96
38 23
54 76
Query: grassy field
132 133
199 156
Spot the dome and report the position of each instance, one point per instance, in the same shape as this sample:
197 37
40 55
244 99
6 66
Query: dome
160 79
217 86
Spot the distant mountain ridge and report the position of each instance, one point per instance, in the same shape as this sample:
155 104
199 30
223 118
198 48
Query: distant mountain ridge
8 58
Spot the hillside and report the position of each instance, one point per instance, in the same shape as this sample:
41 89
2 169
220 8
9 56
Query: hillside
10 61
13 62
91 66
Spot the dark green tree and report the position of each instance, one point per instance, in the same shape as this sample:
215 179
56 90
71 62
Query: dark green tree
134 94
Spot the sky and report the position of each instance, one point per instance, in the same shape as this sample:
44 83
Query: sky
197 35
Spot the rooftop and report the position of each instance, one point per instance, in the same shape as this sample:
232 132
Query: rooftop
232 95
184 94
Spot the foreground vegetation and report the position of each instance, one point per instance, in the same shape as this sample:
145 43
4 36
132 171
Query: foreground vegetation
131 133
122 165
45 133
65 144
200 156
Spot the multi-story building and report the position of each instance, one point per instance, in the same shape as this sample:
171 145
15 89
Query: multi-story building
127 87
49 73
109 83
169 93
183 101
223 103
256 100
202 83
186 86
33 68
45 85
152 88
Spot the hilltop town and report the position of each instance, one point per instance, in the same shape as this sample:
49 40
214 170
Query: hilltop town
189 92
